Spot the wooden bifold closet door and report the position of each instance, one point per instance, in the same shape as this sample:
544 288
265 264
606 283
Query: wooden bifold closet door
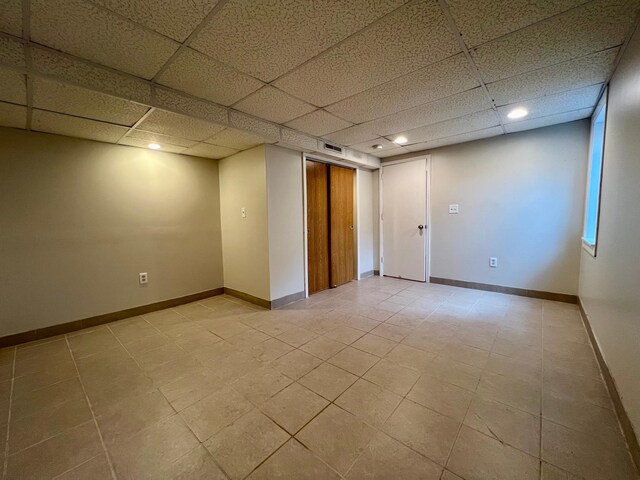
341 224
318 226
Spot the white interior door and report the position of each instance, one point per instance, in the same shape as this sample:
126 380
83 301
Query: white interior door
404 220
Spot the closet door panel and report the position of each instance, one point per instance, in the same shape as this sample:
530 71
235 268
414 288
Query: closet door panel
341 221
318 226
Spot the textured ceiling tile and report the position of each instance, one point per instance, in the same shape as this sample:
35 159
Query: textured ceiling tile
445 109
13 87
576 73
439 80
173 18
94 33
232 138
318 123
268 38
11 17
273 105
176 125
209 151
179 102
62 98
298 139
455 139
137 142
205 77
456 126
392 152
352 135
97 78
548 121
410 38
482 20
11 52
595 26
76 127
367 147
553 104
254 125
14 116
162 140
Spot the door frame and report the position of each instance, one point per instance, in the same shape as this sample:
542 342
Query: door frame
356 214
428 210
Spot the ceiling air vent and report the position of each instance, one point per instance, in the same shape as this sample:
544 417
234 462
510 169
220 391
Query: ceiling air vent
333 148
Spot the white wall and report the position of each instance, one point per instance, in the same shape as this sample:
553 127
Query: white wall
80 219
610 283
245 242
286 235
365 205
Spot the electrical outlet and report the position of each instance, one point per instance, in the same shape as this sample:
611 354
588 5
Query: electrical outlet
454 209
493 262
143 278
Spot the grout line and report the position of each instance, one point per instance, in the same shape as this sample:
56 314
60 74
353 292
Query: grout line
93 415
5 465
137 124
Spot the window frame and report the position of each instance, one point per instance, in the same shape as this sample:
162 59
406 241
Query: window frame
602 103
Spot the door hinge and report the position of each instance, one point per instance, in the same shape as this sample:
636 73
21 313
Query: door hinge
382 216
381 259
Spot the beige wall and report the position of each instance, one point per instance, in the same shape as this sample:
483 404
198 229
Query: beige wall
286 239
521 200
610 283
245 241
365 205
80 219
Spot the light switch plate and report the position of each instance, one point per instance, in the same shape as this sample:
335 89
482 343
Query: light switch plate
454 208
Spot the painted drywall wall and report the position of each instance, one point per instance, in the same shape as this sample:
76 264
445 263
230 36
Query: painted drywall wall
245 241
286 231
521 199
80 219
610 282
365 206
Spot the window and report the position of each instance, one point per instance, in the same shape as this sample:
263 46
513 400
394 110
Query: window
594 179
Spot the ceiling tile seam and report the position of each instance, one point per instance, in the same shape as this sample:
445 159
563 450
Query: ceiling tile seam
539 97
457 135
474 68
446 136
592 107
233 105
26 19
623 47
337 44
81 117
26 35
132 127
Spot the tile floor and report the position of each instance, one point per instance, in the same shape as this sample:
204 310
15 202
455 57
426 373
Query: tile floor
378 379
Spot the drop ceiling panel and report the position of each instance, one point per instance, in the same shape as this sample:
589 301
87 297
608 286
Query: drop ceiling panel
13 87
14 116
273 105
204 77
456 126
439 80
352 135
410 38
11 17
254 125
553 104
595 26
63 98
174 18
455 139
163 140
94 33
60 124
550 120
176 125
454 106
319 123
298 140
182 103
392 152
580 72
237 139
209 151
11 52
367 147
482 20
137 142
267 39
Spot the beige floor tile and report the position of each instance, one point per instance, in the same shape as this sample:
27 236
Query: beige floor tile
269 350
131 330
344 334
196 338
368 401
323 347
174 370
92 342
337 437
411 357
360 322
214 412
43 377
328 381
96 468
190 388
393 377
506 424
466 354
447 475
248 338
550 472
293 461
32 402
156 357
293 407
530 371
149 342
259 386
575 387
235 365
296 364
225 328
575 365
242 446
423 430
103 393
586 455
442 397
408 318
354 361
297 336
478 457
392 332
56 455
514 392
386 458
198 464
375 345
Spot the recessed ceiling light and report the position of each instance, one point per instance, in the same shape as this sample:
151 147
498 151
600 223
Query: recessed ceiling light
377 146
518 113
400 140
154 146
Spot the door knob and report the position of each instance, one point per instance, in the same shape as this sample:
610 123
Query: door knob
420 227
